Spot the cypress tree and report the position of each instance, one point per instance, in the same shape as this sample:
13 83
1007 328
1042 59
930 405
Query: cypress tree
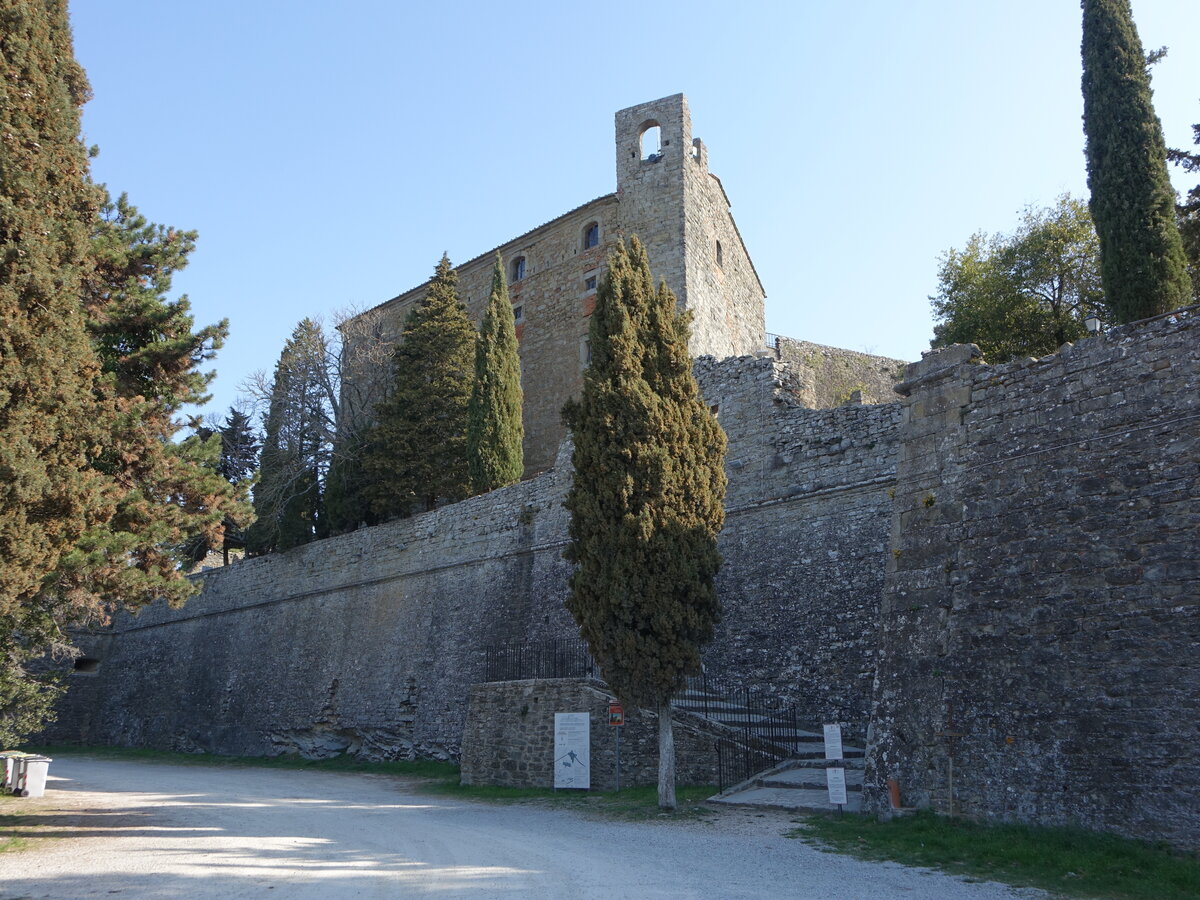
1143 266
646 502
50 422
417 450
494 431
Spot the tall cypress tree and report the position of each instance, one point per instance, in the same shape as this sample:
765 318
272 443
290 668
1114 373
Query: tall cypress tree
1143 266
494 431
647 498
50 422
417 451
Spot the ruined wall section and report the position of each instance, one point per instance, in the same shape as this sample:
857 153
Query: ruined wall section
806 531
831 376
1041 617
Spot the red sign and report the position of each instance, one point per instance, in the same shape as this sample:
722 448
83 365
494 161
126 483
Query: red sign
616 715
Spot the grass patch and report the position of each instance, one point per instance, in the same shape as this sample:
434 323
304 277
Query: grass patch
630 804
1065 861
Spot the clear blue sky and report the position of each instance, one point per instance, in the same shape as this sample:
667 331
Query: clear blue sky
328 154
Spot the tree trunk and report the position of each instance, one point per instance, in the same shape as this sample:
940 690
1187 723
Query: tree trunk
666 758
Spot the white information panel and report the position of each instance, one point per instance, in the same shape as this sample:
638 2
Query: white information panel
572 750
836 780
833 741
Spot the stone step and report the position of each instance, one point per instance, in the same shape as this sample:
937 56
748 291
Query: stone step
808 778
789 798
794 784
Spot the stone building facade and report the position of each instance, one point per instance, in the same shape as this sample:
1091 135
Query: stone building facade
667 197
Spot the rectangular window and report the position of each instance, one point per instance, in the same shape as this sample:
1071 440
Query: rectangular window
519 314
589 284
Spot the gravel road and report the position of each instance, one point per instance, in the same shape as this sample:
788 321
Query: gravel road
157 830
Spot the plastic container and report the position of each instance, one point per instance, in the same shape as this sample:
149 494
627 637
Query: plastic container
33 776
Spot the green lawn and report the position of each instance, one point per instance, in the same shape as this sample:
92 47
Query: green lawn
1065 861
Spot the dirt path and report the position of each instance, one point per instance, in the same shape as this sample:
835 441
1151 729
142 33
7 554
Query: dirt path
155 830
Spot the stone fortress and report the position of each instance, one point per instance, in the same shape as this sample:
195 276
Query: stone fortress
990 570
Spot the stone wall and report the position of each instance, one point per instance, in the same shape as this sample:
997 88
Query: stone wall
1041 616
368 642
806 532
830 376
509 737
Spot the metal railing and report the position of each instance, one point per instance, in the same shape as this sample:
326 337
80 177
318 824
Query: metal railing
561 658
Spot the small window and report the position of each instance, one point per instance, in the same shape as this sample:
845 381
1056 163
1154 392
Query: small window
720 256
715 409
585 352
591 236
519 314
86 665
589 283
516 269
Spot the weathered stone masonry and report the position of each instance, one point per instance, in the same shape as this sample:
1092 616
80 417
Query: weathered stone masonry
1042 591
368 642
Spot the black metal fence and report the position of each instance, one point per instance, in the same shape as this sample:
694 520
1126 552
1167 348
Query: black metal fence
561 658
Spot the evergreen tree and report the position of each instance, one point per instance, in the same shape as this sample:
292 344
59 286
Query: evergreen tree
237 464
494 431
417 451
50 420
646 501
1143 266
287 500
1189 211
170 497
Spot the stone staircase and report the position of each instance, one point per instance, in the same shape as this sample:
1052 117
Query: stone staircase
791 756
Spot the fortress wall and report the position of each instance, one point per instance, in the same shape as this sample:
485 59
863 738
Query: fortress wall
1041 616
368 642
806 531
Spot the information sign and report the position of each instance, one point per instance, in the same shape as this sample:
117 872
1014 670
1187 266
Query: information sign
616 715
833 741
835 778
572 750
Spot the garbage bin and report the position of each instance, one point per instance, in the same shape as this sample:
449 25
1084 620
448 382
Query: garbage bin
14 768
35 769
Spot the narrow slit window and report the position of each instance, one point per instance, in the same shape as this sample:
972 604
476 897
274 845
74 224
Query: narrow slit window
720 256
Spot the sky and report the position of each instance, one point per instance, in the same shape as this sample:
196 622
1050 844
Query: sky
328 154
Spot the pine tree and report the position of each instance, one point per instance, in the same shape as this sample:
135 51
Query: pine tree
50 421
417 451
237 463
646 503
287 498
170 497
1143 266
494 431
